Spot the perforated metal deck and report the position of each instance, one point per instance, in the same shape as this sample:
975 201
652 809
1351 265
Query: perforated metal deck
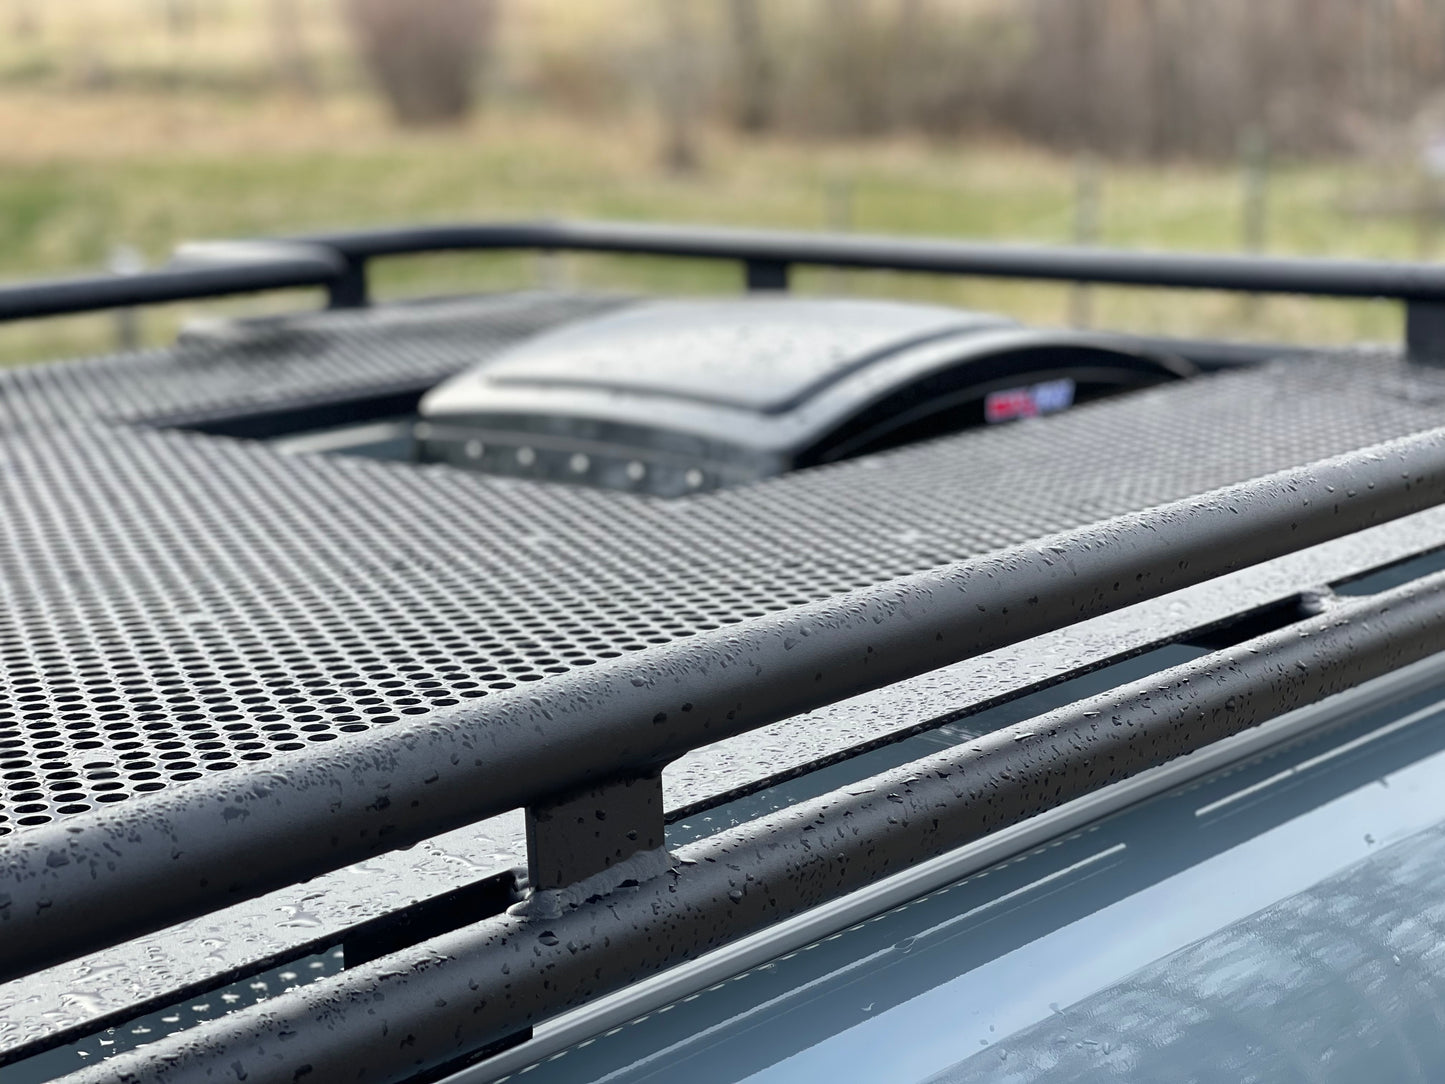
177 603
314 357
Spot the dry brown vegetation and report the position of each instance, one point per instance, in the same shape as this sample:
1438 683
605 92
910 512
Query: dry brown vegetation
1144 78
425 55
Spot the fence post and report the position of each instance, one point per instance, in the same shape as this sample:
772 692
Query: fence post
1254 202
1086 231
1427 196
1254 177
838 199
126 260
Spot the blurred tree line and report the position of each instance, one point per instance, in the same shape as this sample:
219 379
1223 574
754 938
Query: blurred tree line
1144 78
1147 78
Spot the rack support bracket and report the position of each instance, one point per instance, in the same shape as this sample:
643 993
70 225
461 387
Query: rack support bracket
590 831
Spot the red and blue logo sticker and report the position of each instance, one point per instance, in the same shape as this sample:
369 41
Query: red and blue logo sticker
1008 405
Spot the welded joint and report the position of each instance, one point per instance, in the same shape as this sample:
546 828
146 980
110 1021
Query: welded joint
629 874
588 832
1318 600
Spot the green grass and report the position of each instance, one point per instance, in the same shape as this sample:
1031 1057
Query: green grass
64 211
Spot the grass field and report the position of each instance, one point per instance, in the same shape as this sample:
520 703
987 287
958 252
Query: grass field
84 170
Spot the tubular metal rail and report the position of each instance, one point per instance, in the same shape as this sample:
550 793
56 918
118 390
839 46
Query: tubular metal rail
244 268
338 263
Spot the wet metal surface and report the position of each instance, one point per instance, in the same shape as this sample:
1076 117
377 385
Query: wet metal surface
238 604
194 848
242 603
452 993
137 1031
762 355
583 834
234 604
115 982
1278 921
769 385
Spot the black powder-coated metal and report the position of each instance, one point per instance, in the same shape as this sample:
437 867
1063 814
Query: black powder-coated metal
583 834
263 369
215 601
100 876
1425 331
337 261
434 1001
765 275
1326 278
251 267
766 257
75 998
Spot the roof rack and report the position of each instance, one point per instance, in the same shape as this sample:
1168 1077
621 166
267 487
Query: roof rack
101 877
582 752
338 262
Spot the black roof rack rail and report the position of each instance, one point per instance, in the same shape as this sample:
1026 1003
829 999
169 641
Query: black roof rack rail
338 262
215 271
767 256
103 876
